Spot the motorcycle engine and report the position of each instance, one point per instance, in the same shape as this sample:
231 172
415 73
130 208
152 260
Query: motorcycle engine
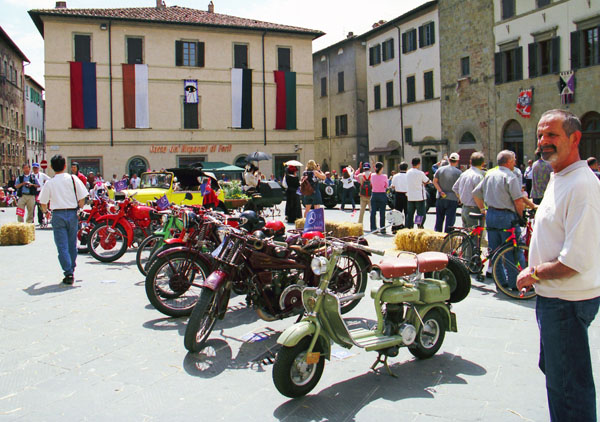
283 290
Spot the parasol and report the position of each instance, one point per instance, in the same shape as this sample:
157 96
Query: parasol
293 163
258 156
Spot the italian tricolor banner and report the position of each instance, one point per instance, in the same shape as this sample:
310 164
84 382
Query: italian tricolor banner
83 95
285 102
241 98
135 95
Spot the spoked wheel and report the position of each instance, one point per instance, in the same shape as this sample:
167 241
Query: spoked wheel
146 250
456 276
349 278
202 320
107 244
173 283
507 263
460 245
430 336
292 375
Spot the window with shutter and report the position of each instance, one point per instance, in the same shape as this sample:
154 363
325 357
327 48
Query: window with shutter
427 34
387 51
190 114
284 57
135 50
428 84
410 89
465 66
508 65
408 135
377 97
82 48
324 127
323 87
508 9
240 56
389 94
409 40
340 81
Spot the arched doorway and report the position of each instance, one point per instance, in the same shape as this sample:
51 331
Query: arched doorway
512 139
467 138
137 165
240 161
589 146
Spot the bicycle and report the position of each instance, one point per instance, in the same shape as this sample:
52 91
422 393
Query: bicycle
507 259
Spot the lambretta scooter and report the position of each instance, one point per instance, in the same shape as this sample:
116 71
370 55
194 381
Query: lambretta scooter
412 311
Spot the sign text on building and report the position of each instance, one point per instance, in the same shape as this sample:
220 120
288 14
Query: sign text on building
189 149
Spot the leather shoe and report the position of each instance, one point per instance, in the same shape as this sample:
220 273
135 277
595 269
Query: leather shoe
68 279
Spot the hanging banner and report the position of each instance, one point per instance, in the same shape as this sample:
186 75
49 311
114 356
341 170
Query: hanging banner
566 87
524 103
191 91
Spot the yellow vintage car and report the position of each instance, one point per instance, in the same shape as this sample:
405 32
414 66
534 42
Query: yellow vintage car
174 183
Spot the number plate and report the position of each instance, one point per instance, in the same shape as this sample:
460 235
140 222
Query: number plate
313 358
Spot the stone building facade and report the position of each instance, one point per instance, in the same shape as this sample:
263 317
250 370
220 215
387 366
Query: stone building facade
340 102
467 58
12 109
34 120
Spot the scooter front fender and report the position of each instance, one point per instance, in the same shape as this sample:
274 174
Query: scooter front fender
423 310
291 336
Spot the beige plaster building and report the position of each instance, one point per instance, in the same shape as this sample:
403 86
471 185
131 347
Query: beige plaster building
200 87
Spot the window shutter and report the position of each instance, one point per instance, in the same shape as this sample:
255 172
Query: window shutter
498 68
532 60
575 49
178 53
371 59
432 32
421 37
384 55
404 43
200 54
518 63
555 55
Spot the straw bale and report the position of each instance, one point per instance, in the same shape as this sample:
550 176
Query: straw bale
338 229
17 234
418 240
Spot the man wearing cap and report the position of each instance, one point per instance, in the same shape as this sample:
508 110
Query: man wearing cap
26 186
447 201
41 178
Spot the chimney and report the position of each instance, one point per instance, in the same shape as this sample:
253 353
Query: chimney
350 34
160 4
211 7
61 5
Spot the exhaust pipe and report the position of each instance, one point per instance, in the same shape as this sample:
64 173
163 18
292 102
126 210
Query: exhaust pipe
352 297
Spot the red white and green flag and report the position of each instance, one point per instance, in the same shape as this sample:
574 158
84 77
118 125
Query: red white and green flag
285 101
135 96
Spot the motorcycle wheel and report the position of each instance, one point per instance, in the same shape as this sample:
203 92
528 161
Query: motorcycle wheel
203 319
292 376
105 248
146 250
172 283
457 276
430 336
350 277
82 237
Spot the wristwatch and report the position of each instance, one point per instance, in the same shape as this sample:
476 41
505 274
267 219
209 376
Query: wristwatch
534 274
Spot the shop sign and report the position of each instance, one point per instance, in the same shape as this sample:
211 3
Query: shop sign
189 149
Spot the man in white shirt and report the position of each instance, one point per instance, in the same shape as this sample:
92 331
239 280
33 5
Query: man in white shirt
66 193
565 270
135 181
41 178
416 195
400 187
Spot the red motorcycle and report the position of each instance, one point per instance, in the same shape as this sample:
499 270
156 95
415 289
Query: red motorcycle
114 233
88 218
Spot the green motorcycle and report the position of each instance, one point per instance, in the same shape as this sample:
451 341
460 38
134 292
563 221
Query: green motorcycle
412 311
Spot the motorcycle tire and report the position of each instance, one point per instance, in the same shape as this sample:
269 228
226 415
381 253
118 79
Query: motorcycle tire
457 276
203 319
96 239
430 335
173 283
354 272
146 250
291 375
82 238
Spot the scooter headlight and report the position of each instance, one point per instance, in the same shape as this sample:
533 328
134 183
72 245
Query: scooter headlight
318 265
375 274
188 219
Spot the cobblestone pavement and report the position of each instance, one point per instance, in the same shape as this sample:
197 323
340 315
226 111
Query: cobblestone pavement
98 351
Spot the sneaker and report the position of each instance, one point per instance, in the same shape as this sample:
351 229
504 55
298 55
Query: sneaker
69 279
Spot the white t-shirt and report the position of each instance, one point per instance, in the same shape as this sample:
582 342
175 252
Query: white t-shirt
567 227
399 182
59 191
135 182
415 180
41 178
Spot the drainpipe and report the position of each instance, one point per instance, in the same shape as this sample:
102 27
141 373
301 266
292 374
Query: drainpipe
110 81
329 108
264 90
400 90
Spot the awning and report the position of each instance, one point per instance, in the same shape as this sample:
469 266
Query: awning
465 156
383 150
430 142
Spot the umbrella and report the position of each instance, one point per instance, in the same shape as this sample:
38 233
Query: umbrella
258 156
293 163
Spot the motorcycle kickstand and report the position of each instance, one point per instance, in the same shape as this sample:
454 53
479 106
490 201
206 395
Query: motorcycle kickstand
385 364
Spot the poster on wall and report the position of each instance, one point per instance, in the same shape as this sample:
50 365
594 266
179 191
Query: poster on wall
566 87
191 91
524 103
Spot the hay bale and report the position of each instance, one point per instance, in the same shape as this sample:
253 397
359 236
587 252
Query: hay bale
17 234
338 229
418 240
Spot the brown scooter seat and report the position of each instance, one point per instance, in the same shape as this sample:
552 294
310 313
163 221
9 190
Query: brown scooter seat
407 264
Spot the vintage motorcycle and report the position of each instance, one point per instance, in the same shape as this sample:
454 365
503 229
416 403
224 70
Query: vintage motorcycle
114 233
412 311
272 275
87 220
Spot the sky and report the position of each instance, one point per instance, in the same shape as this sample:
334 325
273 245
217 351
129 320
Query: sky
334 17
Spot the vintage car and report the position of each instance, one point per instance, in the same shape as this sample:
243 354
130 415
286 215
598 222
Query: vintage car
174 183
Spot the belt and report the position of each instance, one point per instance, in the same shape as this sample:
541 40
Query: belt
66 209
502 209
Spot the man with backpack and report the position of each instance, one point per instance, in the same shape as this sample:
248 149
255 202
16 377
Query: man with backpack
26 185
365 190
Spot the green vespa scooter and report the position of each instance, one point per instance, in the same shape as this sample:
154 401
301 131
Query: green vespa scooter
411 310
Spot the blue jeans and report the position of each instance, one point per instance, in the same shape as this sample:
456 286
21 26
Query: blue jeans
378 204
565 357
445 209
348 193
501 219
421 209
64 227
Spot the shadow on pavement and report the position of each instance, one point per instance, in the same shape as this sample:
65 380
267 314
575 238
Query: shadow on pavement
490 290
55 288
415 379
167 324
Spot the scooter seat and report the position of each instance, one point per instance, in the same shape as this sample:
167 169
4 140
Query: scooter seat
431 261
398 267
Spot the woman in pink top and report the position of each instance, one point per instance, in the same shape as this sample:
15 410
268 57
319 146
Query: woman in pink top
379 183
